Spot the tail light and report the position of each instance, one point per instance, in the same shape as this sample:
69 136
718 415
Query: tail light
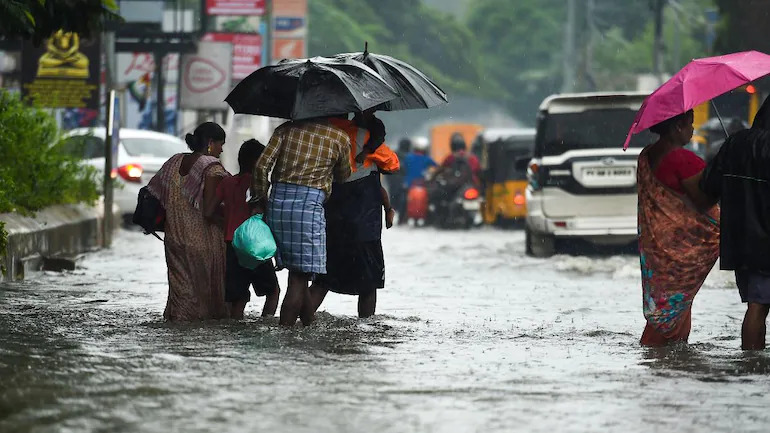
114 173
519 199
131 172
471 194
533 176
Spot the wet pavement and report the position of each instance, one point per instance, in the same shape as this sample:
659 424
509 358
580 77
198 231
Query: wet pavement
471 336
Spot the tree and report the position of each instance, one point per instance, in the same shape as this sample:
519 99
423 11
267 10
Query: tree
743 26
435 42
618 59
39 19
522 46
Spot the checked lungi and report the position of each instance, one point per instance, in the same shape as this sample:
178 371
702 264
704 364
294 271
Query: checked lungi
295 214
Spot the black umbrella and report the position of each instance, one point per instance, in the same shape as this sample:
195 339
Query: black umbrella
307 88
416 90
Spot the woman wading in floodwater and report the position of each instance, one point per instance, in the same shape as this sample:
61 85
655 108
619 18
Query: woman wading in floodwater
186 186
678 241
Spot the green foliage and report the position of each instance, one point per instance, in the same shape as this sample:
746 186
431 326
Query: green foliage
39 19
435 42
512 51
38 171
521 44
618 59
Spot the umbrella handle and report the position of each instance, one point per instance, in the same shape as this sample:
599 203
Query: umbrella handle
720 118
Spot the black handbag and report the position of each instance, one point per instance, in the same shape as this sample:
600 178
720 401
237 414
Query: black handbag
149 213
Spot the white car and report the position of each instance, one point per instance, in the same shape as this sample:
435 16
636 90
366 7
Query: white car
140 155
581 182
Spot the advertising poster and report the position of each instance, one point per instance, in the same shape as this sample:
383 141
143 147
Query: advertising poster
288 49
289 29
235 7
63 72
290 8
206 77
247 52
136 75
238 24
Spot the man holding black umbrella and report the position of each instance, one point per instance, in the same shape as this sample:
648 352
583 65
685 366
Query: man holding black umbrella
738 176
304 157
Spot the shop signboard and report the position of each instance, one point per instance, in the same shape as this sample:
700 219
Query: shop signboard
63 72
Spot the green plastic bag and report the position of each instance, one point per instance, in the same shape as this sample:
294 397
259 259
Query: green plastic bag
253 242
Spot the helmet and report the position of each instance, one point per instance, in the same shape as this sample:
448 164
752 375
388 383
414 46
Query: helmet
421 143
457 142
405 145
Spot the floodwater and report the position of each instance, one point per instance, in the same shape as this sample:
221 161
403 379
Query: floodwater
471 336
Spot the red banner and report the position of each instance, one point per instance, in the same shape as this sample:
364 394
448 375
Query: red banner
247 51
235 7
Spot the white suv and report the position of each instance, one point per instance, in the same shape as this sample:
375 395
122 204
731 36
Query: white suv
581 182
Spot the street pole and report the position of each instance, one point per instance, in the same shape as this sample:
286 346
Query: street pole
107 219
160 103
657 49
267 41
569 48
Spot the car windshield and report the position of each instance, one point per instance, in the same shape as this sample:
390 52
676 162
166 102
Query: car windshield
592 129
158 147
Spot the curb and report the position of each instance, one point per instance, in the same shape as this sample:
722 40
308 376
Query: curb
53 239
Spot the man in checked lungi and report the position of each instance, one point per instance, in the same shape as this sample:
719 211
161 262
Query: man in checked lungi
305 158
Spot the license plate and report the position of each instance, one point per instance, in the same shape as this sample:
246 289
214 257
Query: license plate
591 173
471 205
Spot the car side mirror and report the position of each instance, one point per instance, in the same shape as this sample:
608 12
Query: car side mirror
522 164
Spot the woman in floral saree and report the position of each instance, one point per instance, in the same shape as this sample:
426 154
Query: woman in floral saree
678 238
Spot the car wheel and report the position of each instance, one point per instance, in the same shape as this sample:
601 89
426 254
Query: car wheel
537 245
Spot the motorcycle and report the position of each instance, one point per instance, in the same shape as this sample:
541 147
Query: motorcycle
454 201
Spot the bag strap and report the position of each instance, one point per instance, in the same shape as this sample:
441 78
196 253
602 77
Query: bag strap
156 235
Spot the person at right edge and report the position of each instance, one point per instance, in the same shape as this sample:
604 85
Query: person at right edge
739 177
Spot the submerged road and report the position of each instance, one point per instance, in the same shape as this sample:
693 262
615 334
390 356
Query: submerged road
471 336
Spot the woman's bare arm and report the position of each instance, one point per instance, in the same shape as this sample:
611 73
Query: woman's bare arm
700 199
210 201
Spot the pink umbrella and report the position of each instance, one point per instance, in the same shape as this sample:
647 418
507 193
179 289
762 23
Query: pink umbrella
698 82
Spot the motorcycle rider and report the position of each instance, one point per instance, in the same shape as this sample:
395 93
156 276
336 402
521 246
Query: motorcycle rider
460 161
458 170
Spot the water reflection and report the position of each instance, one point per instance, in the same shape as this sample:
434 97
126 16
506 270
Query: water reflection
706 362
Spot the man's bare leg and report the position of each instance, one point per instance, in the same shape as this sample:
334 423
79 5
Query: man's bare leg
296 294
754 327
271 303
317 295
236 309
367 304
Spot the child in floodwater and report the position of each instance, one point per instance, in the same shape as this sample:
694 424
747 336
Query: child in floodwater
232 193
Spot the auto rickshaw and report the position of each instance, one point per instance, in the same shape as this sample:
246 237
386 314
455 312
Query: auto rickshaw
504 182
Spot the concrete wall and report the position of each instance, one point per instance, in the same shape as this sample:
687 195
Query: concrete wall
54 238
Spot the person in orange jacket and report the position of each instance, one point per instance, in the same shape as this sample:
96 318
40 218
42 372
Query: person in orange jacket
355 264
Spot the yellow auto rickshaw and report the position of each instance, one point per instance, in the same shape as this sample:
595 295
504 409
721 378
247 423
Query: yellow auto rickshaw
504 182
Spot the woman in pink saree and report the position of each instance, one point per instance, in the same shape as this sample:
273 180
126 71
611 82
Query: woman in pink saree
678 240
